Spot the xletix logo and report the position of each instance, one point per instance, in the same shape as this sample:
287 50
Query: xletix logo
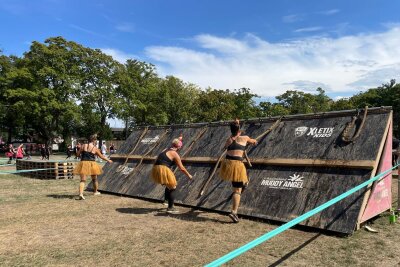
315 132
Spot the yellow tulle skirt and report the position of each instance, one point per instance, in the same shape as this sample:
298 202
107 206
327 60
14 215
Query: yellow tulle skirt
87 168
161 174
233 170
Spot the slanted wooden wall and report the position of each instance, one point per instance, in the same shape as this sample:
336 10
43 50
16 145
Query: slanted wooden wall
299 165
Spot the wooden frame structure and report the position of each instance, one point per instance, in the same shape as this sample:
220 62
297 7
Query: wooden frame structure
300 162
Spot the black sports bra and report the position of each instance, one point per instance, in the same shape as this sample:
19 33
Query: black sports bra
236 146
88 155
163 159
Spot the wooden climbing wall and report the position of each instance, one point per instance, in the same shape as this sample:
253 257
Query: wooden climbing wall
299 165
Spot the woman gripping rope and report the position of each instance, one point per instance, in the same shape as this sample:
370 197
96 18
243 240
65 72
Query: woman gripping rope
162 173
232 167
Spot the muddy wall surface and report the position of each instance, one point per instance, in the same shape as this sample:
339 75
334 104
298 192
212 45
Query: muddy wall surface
276 191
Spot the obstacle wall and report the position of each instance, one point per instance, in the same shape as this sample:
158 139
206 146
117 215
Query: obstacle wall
299 163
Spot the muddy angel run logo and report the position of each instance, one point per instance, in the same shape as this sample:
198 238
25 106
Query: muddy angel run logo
294 181
314 132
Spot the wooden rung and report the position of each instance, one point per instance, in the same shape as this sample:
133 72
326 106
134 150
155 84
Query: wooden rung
357 164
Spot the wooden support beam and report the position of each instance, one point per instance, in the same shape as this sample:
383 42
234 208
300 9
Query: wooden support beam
354 164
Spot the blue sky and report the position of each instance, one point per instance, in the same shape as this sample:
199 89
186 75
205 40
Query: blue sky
269 46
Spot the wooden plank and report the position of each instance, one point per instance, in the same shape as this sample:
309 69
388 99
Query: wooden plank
358 164
375 167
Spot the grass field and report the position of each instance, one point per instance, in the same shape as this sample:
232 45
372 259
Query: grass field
41 224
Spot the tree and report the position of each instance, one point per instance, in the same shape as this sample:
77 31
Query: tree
53 67
298 102
268 109
98 87
138 83
215 105
245 104
178 100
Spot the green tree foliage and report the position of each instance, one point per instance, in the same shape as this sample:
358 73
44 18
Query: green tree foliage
386 95
15 78
298 102
178 100
138 86
215 105
342 104
98 88
245 106
53 66
268 109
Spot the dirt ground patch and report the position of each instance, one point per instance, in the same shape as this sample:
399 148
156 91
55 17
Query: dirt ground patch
41 224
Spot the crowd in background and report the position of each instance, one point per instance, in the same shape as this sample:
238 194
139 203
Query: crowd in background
25 151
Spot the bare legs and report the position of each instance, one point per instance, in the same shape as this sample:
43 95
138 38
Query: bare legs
95 183
236 199
235 204
82 185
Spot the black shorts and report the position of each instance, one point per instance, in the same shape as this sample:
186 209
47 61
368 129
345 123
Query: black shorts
238 184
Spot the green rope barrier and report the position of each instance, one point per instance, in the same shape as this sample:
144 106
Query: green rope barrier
293 222
22 171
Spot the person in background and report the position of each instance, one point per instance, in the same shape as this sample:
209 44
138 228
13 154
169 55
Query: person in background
20 152
69 151
112 148
42 151
89 166
10 153
47 152
104 148
232 167
77 150
161 172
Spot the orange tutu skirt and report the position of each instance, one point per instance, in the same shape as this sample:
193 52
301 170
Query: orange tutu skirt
87 167
233 170
161 174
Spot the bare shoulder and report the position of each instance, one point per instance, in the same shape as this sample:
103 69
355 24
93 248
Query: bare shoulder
173 154
244 137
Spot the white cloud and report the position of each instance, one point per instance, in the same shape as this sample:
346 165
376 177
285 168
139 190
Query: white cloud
292 18
118 55
307 86
329 12
309 29
126 27
345 64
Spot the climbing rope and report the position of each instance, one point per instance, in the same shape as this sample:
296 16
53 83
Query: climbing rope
198 136
224 153
346 136
123 166
270 129
150 150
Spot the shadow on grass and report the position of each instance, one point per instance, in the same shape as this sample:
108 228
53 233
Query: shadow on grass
62 196
138 210
193 216
294 251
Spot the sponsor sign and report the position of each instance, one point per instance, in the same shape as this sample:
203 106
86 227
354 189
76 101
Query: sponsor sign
314 132
150 140
294 181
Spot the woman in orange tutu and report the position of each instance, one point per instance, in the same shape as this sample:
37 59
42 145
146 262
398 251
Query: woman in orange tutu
88 165
162 173
232 167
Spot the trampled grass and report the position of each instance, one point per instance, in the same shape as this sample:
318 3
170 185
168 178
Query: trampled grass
41 224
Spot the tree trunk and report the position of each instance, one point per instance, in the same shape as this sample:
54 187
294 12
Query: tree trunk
10 132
